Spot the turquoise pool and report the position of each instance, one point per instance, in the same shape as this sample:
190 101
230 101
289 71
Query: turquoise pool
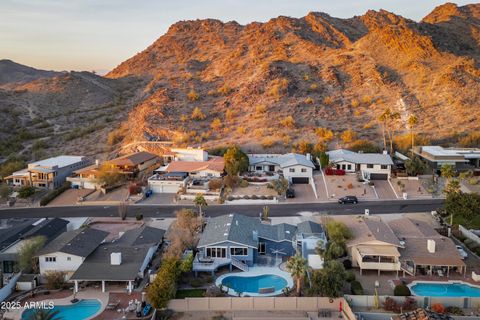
435 289
253 284
81 310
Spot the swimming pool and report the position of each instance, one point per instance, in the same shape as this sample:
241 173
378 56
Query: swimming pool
445 289
81 310
253 285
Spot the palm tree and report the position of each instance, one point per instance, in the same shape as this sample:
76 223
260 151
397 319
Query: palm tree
383 122
388 119
44 314
412 122
200 202
297 265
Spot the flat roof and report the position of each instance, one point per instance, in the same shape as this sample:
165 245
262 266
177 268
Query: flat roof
60 161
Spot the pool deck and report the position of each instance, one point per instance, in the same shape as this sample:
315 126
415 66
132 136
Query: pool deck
87 294
257 271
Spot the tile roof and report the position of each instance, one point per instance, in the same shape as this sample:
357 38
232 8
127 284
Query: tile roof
133 245
240 229
282 160
367 229
80 242
214 164
133 159
359 158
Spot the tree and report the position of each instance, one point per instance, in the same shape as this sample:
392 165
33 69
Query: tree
4 191
297 266
187 263
324 159
26 254
236 161
45 314
412 121
415 166
303 147
26 192
265 213
183 232
163 288
324 134
197 114
337 231
447 171
453 186
388 119
463 205
10 166
335 249
332 278
280 185
55 280
348 136
200 202
108 175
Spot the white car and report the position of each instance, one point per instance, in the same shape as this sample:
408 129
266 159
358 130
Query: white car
462 252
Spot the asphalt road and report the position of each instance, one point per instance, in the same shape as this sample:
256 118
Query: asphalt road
277 210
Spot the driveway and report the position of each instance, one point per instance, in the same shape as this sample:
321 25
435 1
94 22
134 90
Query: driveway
348 185
159 198
384 190
69 197
303 193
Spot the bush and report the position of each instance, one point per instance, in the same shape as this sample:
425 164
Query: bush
134 189
197 114
139 216
438 308
401 290
350 276
456 311
196 283
244 183
215 184
26 192
55 280
347 264
55 193
356 288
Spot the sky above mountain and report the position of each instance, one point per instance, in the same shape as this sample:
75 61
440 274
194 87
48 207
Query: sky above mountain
98 35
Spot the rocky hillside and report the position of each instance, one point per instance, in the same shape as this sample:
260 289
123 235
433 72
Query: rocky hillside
320 70
262 85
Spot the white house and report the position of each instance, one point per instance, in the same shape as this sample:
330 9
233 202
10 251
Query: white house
185 154
168 182
296 168
67 252
372 166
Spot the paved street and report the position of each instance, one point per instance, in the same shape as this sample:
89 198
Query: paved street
278 210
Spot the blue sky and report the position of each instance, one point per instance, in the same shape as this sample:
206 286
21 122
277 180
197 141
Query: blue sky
99 34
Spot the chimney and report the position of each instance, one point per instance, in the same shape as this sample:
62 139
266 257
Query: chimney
116 258
309 156
431 246
255 235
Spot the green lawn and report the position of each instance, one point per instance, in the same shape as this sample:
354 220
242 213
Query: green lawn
469 224
190 293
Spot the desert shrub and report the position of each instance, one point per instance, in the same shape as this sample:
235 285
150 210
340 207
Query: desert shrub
254 197
115 137
268 142
401 290
215 184
246 197
55 193
347 264
139 216
355 103
456 311
324 133
193 95
230 198
260 109
214 291
349 276
216 124
313 87
241 130
328 100
197 114
243 183
55 280
288 122
348 136
309 100
438 308
471 140
26 192
134 188
365 146
224 90
356 288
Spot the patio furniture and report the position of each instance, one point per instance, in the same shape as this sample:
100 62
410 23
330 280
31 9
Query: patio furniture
266 290
440 272
112 305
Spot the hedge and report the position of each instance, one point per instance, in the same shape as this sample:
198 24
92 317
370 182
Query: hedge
356 288
401 290
55 193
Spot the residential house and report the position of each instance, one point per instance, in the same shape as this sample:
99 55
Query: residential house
185 154
15 233
135 164
240 241
125 259
461 158
170 178
50 173
308 237
371 166
373 245
424 251
86 178
68 251
296 168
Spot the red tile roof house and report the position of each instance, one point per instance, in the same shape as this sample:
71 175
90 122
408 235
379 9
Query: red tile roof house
136 163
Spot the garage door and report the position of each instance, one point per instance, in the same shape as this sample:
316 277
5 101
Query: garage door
378 176
300 180
164 189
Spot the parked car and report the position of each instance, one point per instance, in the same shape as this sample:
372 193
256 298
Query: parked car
290 193
462 252
348 199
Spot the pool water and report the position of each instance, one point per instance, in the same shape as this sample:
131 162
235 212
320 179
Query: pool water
254 283
432 289
81 310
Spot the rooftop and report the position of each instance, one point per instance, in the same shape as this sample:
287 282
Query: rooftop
282 160
133 159
359 158
213 164
60 161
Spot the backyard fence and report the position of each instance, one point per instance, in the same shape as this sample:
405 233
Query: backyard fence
9 287
469 234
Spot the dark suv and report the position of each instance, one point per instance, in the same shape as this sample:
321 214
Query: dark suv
290 193
348 199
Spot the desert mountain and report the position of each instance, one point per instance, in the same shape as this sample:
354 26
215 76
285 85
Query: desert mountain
11 72
269 85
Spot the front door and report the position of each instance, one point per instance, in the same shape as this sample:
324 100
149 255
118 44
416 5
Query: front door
262 248
271 168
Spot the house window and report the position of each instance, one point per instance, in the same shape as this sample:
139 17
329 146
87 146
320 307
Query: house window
384 166
50 259
370 166
292 170
304 170
69 258
8 267
238 251
349 167
217 252
262 248
258 168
